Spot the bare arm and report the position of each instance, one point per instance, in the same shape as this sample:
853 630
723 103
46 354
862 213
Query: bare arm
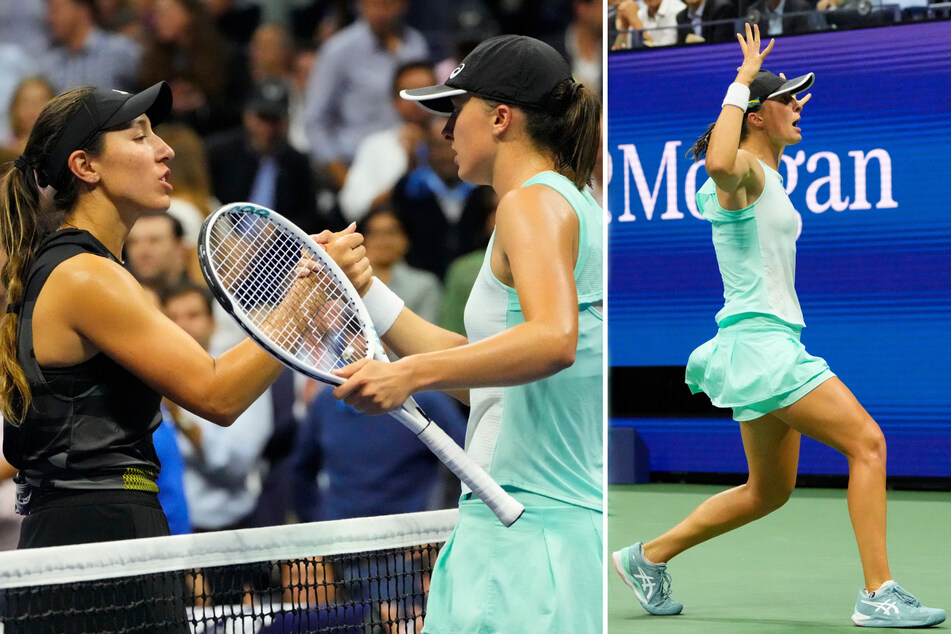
101 304
731 168
535 251
90 304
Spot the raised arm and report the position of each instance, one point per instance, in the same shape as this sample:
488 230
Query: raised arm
731 168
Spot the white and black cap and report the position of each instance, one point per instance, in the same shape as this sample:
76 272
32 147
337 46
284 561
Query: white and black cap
512 69
101 110
768 85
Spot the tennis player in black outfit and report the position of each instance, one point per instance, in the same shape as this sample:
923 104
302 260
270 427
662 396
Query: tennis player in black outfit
85 356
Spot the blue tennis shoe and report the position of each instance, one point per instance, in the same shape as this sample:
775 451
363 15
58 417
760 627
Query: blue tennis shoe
650 582
891 606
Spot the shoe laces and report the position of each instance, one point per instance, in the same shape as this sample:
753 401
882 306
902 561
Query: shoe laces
905 597
664 584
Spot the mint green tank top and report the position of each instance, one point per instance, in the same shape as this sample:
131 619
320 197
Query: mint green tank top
756 251
546 436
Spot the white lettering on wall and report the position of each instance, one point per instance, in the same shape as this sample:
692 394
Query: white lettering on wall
833 180
668 166
822 193
885 169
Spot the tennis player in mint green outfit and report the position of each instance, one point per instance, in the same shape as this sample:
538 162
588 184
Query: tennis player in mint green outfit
531 363
756 364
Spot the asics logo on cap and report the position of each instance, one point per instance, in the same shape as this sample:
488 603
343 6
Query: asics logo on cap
457 70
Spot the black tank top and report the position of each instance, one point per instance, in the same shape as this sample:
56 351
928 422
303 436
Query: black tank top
89 425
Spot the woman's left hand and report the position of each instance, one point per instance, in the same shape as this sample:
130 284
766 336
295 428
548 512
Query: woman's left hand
374 387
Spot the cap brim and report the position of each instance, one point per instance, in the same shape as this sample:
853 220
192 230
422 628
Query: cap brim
435 99
794 86
154 102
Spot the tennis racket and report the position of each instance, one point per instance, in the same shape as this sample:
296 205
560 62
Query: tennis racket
289 295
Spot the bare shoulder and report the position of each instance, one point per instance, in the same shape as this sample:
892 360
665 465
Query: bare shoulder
88 272
535 204
94 283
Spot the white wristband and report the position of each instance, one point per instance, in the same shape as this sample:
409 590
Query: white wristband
737 95
383 305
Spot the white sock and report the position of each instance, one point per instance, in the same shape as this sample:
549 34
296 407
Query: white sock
885 586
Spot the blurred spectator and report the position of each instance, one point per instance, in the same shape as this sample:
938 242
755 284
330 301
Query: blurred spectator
29 98
582 42
368 465
122 16
348 90
302 63
317 20
626 21
270 53
255 163
83 54
706 21
15 66
236 19
659 18
155 251
171 478
544 20
472 23
22 23
440 214
386 243
222 464
186 49
781 17
462 272
383 157
276 504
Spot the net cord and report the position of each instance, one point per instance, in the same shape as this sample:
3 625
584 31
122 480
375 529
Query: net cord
109 560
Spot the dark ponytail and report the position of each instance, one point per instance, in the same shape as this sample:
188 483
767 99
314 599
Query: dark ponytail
699 149
570 128
27 217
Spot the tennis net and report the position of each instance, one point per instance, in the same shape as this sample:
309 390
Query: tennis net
363 576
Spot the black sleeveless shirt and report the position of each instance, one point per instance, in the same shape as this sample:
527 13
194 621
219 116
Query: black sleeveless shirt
89 425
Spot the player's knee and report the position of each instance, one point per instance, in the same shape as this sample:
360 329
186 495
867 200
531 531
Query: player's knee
769 497
870 446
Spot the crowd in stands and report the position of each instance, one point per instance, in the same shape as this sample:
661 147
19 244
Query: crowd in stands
293 105
651 23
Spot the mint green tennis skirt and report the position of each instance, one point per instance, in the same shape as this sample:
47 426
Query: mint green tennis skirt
755 365
541 574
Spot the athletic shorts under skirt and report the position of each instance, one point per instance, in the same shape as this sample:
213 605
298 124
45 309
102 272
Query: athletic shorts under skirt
755 364
542 574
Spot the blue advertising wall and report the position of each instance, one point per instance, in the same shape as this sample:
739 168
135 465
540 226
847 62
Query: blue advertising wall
872 182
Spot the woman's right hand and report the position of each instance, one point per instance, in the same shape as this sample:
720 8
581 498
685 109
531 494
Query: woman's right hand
752 57
347 250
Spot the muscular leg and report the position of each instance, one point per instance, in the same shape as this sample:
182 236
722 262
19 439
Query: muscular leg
772 453
833 416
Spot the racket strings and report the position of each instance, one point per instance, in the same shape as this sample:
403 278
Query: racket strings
285 291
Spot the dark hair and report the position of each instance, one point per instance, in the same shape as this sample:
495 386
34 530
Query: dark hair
185 288
698 150
379 208
177 229
419 64
27 217
569 127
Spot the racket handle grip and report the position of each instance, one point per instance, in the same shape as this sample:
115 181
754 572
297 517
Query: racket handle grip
505 507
